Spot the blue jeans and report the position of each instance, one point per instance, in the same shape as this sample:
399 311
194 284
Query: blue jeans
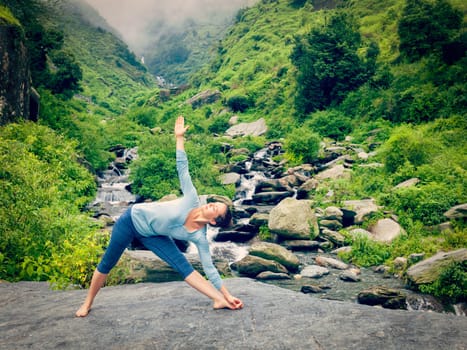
124 232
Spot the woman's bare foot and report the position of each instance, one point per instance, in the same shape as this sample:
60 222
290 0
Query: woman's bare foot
83 311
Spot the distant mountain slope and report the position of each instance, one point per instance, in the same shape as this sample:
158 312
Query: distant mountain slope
111 72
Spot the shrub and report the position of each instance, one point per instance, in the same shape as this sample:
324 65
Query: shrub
42 188
426 203
239 103
407 145
366 252
302 145
219 125
330 123
451 285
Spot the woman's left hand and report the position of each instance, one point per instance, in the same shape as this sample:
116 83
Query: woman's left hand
180 128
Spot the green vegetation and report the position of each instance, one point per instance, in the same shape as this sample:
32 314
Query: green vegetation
451 285
360 70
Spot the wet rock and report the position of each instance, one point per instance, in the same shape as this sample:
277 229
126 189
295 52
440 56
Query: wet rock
230 178
386 297
293 218
333 236
277 253
310 288
428 270
300 244
267 275
234 236
331 224
349 276
331 262
314 271
251 266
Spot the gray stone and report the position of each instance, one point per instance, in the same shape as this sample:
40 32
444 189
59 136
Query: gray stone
349 276
174 316
293 219
204 97
251 266
386 297
362 208
331 262
428 270
457 212
407 183
336 172
230 178
268 275
314 271
386 230
277 253
256 128
333 236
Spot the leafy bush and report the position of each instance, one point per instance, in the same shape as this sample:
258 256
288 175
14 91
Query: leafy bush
330 123
328 66
366 252
302 145
219 125
425 26
451 285
426 203
42 190
239 103
407 145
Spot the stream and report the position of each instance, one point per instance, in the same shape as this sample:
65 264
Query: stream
114 197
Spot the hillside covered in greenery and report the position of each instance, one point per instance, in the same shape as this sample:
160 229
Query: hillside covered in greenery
391 76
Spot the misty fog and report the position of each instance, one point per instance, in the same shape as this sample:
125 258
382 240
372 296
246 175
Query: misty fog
133 18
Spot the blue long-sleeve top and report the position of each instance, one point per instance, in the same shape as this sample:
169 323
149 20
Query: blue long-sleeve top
168 218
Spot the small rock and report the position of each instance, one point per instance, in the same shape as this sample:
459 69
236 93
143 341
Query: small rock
349 276
314 271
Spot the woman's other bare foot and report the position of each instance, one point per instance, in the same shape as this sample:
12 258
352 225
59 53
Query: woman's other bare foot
83 311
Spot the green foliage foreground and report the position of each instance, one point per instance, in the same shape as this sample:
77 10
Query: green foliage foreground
44 236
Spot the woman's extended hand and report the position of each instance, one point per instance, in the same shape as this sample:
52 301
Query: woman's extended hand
234 302
180 128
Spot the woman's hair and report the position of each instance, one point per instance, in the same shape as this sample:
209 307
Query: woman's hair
224 220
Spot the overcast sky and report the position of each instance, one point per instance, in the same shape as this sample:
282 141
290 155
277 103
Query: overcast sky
131 17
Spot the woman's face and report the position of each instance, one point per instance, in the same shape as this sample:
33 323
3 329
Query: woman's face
213 210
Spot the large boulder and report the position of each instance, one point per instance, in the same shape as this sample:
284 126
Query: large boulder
359 209
252 266
457 212
294 219
277 253
145 266
386 230
175 316
428 270
256 128
204 97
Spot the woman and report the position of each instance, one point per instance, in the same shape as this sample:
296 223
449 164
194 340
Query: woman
155 224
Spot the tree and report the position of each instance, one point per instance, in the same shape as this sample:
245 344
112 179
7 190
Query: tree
425 27
328 64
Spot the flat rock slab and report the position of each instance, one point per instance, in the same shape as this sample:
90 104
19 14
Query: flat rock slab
174 316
